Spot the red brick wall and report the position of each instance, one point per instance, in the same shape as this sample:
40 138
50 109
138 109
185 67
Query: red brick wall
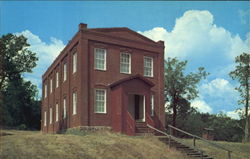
86 79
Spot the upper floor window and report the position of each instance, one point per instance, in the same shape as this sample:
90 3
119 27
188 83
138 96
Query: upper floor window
57 115
45 119
152 105
100 59
50 116
64 108
64 71
57 79
51 85
45 90
125 63
74 103
100 101
74 62
148 66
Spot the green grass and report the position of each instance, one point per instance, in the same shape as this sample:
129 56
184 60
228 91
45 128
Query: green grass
239 150
99 145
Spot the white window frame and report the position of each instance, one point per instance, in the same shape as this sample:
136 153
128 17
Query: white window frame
51 85
74 62
152 104
74 103
64 108
122 63
57 115
104 104
45 90
45 119
50 116
147 67
97 59
57 79
65 71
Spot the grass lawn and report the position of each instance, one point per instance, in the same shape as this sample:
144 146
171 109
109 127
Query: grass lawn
99 145
240 150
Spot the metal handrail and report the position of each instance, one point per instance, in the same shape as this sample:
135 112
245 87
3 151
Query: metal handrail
175 138
209 142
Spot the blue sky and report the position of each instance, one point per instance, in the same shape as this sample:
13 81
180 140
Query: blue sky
208 34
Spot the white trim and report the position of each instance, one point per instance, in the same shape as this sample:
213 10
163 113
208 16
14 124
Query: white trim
57 115
45 90
74 103
74 63
105 102
152 66
129 69
152 103
64 71
64 108
143 119
50 116
95 59
45 119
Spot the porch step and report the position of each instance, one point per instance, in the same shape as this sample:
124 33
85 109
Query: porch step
141 127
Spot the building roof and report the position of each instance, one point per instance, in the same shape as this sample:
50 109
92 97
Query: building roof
138 76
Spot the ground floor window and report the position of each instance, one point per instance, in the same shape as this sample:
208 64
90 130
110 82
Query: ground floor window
64 108
45 118
50 116
100 100
57 112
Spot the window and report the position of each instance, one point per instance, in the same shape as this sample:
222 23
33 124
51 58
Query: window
100 101
51 85
148 66
74 103
100 59
45 119
74 62
56 111
64 71
50 116
57 79
125 63
152 105
45 90
64 108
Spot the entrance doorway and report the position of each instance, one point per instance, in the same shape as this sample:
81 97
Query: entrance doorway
137 107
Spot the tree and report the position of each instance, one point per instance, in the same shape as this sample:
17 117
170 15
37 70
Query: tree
242 74
179 86
20 104
15 58
17 97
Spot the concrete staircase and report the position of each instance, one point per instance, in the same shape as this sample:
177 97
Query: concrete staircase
192 152
142 129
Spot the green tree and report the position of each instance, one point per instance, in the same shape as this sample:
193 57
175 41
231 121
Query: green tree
22 108
17 97
242 74
180 88
15 58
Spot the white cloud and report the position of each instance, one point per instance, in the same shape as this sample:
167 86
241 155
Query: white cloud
233 114
244 16
201 106
196 35
46 52
218 87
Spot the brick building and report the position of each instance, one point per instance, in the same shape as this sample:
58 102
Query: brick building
105 77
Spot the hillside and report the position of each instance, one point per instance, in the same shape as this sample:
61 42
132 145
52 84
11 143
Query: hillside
34 144
239 150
